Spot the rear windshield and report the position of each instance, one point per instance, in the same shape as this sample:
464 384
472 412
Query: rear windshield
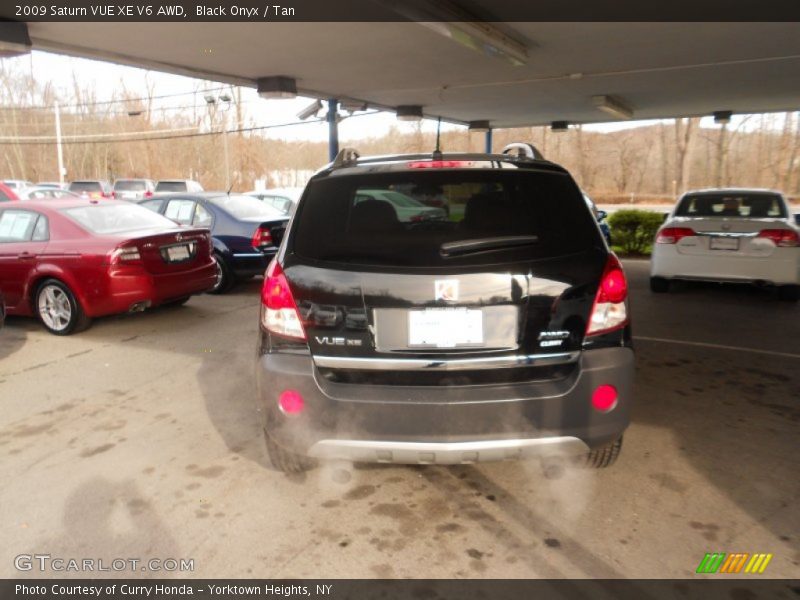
751 206
130 185
443 218
108 219
171 186
246 207
85 186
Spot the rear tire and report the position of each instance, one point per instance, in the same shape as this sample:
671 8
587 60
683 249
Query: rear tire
659 285
286 461
58 309
600 458
789 293
225 278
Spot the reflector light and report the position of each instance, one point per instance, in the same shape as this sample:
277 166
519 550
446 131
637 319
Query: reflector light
604 398
279 312
291 402
609 311
672 235
785 238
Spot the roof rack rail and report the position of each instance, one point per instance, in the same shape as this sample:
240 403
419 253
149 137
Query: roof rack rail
347 157
523 150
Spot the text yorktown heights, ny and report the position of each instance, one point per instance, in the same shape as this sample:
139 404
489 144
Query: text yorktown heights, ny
144 590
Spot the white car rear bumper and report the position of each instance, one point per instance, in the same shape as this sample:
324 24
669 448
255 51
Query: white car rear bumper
782 267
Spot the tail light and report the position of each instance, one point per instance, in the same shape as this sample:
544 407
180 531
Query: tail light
262 237
785 238
279 312
609 311
126 256
439 164
148 194
673 235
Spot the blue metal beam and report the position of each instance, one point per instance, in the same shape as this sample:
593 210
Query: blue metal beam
488 141
333 129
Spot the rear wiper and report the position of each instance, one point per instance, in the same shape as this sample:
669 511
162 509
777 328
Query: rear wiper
493 243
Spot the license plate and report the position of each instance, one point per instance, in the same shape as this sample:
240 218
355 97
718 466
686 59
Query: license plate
178 253
724 243
445 327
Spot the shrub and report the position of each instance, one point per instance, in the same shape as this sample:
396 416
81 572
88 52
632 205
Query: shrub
634 230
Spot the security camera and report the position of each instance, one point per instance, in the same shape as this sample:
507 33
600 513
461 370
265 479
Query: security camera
310 110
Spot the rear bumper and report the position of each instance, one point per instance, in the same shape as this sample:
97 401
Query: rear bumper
129 288
445 424
246 264
780 268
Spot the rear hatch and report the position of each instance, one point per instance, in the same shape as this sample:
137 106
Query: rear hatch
505 276
164 252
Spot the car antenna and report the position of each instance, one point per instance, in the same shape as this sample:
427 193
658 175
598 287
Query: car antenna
437 153
229 190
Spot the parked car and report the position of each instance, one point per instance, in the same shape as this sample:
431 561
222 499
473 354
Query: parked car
246 232
171 186
406 208
600 216
51 184
66 261
133 189
7 194
283 199
17 184
729 235
97 188
39 192
503 333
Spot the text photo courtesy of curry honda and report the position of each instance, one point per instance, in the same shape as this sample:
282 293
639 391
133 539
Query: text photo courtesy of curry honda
466 299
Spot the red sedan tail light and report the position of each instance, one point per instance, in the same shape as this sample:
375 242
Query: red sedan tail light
279 313
609 311
126 255
785 238
673 235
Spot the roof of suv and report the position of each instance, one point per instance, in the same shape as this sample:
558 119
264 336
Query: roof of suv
513 156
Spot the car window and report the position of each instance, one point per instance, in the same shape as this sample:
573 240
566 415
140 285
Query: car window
17 225
171 186
154 205
41 231
180 210
366 219
109 219
202 218
732 204
246 207
4 197
130 185
85 186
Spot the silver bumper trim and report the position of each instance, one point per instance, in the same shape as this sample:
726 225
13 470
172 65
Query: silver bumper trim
455 364
452 453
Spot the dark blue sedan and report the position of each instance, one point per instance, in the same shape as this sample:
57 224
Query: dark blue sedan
245 231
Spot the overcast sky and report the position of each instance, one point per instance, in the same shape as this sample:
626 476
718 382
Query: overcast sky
105 77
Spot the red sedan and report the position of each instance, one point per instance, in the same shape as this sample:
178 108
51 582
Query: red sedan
68 260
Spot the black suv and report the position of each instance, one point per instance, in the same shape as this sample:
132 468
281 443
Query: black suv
494 328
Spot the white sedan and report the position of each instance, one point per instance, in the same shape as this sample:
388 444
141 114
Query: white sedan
729 235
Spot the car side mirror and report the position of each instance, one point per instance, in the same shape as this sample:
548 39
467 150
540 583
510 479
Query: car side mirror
601 215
